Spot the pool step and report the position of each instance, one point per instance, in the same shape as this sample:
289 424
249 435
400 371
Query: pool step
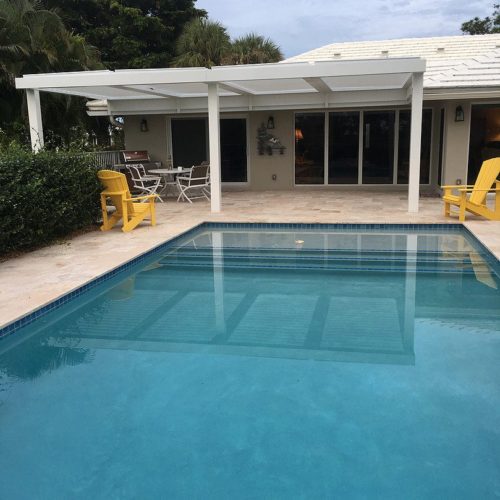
320 259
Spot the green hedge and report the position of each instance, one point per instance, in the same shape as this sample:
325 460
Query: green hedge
45 196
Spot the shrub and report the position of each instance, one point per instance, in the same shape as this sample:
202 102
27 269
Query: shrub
44 196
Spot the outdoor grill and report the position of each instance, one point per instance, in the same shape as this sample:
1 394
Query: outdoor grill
142 157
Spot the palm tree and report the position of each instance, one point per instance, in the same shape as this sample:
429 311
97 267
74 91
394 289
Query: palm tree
34 40
202 43
253 49
28 36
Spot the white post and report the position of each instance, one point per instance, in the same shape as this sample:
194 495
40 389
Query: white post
410 291
35 119
417 98
214 146
218 266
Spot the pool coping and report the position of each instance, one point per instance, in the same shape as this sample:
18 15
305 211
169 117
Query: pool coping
58 301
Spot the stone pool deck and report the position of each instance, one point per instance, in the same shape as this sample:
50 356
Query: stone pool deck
36 278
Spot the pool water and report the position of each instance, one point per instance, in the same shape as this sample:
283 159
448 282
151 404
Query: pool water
265 363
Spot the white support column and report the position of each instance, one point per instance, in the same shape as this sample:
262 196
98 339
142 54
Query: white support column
35 119
417 98
218 266
214 146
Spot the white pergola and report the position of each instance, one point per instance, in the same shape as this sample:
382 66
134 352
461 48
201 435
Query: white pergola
304 85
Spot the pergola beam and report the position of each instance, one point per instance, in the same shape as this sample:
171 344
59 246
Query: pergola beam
237 89
318 84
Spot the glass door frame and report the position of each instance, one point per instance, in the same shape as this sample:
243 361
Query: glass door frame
236 116
361 143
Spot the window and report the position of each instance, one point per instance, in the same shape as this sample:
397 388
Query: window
309 148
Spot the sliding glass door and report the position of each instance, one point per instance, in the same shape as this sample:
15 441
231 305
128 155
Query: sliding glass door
378 147
190 145
233 149
360 146
189 141
404 146
484 137
309 148
343 147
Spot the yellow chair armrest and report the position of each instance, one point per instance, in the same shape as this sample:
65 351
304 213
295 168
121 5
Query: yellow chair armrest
481 190
457 186
145 197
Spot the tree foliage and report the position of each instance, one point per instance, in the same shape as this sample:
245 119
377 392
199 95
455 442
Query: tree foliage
253 49
207 43
129 33
478 26
33 39
202 43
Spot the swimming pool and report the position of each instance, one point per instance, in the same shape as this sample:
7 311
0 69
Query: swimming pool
273 361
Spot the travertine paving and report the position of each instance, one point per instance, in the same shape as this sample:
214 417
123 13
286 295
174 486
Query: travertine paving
34 279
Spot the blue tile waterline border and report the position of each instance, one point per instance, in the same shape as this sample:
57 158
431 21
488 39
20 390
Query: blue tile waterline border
77 292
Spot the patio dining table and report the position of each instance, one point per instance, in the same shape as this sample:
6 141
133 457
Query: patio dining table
168 173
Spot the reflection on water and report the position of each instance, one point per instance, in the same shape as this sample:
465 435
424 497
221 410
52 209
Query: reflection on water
334 296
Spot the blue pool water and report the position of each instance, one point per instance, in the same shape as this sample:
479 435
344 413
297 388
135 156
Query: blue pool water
265 363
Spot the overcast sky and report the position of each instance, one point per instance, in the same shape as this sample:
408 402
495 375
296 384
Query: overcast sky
301 25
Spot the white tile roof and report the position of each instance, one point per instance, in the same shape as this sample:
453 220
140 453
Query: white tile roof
452 61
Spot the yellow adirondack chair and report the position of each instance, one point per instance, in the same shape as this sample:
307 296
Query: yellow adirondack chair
476 202
128 208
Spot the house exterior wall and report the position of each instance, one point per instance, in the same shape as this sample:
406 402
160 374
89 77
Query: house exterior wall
154 140
261 168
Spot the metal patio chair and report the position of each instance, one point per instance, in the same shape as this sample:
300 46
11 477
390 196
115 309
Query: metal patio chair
194 185
143 182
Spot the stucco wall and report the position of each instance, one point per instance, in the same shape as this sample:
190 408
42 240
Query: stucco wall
263 167
154 141
456 143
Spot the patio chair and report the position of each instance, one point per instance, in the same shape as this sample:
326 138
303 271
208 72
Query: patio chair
194 185
476 201
143 182
127 207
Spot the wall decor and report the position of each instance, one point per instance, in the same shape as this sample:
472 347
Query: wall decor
268 143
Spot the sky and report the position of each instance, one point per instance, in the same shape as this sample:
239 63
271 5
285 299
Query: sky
301 25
